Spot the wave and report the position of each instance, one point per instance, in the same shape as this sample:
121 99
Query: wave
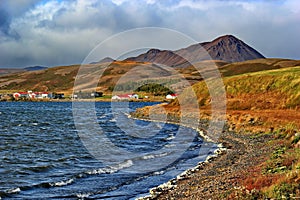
69 181
84 195
62 183
9 192
170 138
111 169
152 156
14 190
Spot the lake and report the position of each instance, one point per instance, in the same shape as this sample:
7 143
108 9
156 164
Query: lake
45 154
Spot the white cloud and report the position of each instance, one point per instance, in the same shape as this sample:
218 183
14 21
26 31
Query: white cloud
61 32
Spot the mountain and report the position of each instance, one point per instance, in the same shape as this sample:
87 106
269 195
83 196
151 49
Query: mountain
231 49
226 48
104 60
165 57
35 68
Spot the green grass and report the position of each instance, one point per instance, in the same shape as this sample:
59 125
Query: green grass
280 84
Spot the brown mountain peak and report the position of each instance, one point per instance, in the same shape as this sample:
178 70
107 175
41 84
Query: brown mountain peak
227 48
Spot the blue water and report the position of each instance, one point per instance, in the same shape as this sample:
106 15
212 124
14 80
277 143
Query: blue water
44 155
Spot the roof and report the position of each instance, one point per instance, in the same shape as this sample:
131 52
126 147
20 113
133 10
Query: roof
21 93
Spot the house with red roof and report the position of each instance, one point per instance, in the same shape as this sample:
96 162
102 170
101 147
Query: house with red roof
171 96
18 95
125 97
32 95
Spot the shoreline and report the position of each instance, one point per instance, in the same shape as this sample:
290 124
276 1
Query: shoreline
224 175
155 192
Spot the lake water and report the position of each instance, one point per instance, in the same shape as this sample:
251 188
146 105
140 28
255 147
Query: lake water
43 156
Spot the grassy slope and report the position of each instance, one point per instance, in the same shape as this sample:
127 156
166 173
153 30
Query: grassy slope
62 78
52 79
265 101
274 89
256 65
259 103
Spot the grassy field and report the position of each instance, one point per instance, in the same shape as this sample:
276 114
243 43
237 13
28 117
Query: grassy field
263 102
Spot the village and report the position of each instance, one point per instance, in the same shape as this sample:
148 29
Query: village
30 95
46 96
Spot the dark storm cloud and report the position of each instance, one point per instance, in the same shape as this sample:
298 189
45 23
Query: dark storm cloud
9 9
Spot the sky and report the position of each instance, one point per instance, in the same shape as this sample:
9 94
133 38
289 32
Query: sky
63 32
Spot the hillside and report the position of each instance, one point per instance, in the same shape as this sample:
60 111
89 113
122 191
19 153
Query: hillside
257 65
225 48
62 78
58 79
262 160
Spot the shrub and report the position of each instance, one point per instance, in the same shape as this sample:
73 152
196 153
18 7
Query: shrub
285 190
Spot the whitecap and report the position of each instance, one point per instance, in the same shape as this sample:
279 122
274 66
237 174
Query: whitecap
111 169
14 190
62 183
113 120
152 156
146 157
170 145
159 173
82 196
171 137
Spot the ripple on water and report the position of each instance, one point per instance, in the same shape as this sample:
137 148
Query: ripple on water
42 155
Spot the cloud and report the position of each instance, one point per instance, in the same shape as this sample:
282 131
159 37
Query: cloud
55 32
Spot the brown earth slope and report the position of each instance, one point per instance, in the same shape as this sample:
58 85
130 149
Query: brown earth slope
262 138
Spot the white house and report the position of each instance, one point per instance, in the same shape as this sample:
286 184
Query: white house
43 95
125 97
134 96
32 95
171 96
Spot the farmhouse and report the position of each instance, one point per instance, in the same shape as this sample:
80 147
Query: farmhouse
125 97
32 95
171 96
43 95
18 95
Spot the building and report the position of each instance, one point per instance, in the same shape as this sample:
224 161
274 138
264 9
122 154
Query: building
171 96
125 97
58 96
18 95
32 95
43 95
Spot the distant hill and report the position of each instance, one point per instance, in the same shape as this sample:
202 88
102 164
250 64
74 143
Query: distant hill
5 71
104 60
35 68
62 78
225 48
